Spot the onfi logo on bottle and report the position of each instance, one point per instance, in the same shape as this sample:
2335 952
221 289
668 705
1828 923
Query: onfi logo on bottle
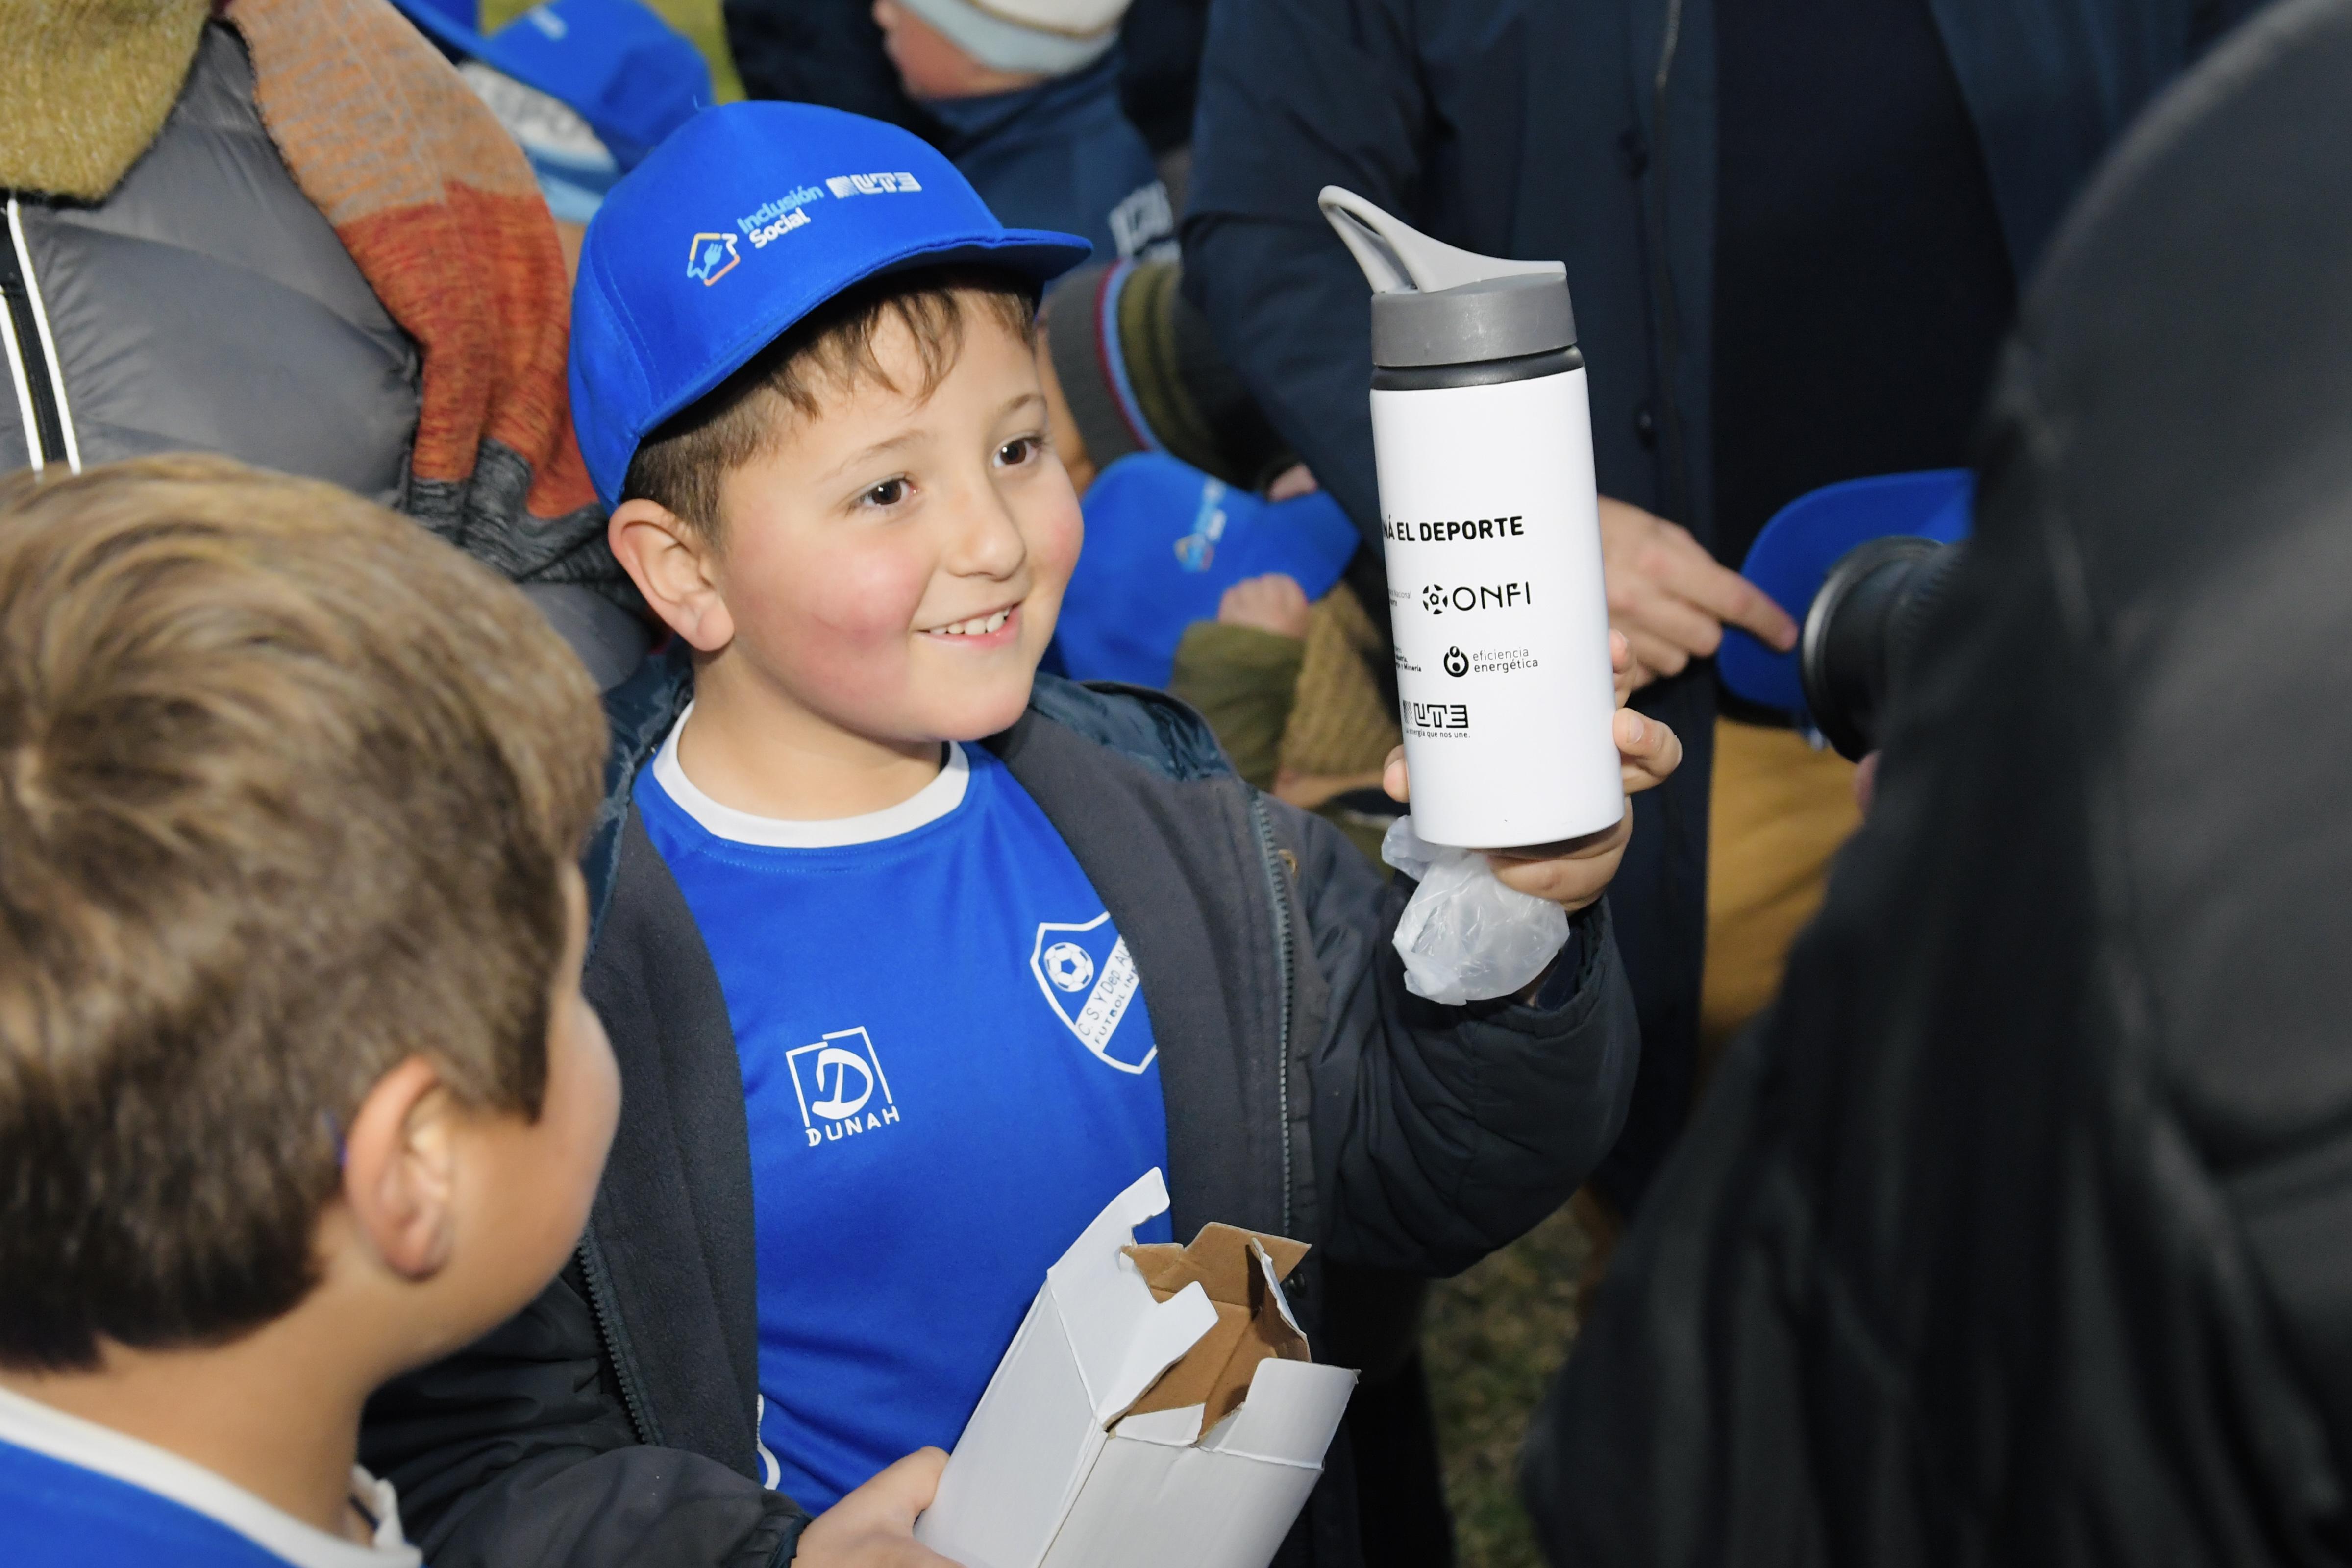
1437 598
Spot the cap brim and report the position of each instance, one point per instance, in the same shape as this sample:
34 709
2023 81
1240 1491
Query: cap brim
1037 256
1793 554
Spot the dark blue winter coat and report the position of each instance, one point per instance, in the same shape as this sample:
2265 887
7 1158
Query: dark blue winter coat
1585 133
1061 155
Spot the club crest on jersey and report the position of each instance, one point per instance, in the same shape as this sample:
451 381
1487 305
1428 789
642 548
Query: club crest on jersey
841 1088
1090 982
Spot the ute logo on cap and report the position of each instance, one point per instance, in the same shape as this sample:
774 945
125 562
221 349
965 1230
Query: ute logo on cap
710 258
847 185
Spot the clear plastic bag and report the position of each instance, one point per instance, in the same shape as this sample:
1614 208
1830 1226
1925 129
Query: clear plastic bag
1463 936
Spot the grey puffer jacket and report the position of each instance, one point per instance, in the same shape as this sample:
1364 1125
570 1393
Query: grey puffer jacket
206 305
1307 1092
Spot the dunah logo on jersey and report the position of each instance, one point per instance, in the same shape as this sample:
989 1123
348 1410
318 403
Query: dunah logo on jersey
841 1088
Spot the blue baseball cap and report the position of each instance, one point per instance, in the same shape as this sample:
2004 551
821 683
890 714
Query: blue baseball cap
748 218
630 75
1793 554
1163 543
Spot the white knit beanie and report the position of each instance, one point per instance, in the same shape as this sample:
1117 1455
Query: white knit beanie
1051 37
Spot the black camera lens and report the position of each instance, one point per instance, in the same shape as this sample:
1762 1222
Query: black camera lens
1862 630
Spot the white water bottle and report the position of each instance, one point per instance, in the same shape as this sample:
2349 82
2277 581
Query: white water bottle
1482 436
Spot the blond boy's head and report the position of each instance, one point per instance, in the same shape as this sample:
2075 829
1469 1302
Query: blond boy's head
291 794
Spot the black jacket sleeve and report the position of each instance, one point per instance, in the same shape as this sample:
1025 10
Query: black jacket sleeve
1295 95
520 1452
1443 1132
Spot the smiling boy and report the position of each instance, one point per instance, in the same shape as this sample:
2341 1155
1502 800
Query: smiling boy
913 958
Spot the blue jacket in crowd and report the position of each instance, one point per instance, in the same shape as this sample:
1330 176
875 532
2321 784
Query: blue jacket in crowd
1586 133
1061 155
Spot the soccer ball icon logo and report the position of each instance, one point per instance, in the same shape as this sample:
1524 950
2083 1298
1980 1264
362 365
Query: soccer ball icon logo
1432 599
1068 966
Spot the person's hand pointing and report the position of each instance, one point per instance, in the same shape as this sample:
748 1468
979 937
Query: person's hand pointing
1671 599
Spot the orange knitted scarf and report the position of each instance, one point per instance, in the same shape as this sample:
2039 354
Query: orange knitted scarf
437 208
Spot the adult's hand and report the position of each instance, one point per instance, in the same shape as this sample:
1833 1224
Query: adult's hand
1865 782
1671 599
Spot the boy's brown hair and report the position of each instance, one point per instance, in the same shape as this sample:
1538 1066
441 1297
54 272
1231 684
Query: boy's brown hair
681 465
287 790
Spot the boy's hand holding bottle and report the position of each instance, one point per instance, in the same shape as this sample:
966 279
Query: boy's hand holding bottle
1574 874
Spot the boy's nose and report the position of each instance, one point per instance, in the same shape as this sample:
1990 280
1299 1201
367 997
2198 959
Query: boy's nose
989 543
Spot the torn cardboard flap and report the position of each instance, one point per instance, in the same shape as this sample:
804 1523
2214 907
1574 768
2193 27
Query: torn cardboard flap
1158 1408
1123 1336
1241 1271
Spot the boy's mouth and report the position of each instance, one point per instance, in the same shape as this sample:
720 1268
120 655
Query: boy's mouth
988 627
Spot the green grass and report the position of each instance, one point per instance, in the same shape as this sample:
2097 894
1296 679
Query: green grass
1494 1337
698 19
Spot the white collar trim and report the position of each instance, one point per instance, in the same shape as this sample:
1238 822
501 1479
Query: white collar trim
929 804
30 1424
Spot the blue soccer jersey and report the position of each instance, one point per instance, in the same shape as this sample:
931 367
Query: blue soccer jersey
74 1494
948 1069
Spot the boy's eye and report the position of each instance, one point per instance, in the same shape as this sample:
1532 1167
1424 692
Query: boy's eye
888 493
1016 451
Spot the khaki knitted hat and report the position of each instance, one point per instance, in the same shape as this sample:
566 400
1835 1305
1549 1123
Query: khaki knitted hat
90 82
1051 37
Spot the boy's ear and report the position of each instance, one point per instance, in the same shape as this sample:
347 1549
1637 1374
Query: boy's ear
400 1169
670 563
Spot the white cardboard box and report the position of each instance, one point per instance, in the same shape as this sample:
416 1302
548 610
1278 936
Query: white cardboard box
1156 1410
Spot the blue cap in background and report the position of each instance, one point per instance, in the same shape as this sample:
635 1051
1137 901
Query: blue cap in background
749 217
629 74
1163 543
1794 553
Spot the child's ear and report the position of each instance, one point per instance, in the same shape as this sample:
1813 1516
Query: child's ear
1061 425
400 1169
670 563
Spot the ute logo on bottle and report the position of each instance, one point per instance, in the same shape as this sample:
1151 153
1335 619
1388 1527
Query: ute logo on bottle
1482 442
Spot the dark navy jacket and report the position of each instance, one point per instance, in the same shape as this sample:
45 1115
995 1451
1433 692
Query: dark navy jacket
613 1422
1585 133
1061 155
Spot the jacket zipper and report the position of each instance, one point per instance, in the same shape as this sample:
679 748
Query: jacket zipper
1288 960
608 1328
1670 323
33 356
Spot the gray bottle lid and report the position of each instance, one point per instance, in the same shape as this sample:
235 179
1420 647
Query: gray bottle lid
1436 305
